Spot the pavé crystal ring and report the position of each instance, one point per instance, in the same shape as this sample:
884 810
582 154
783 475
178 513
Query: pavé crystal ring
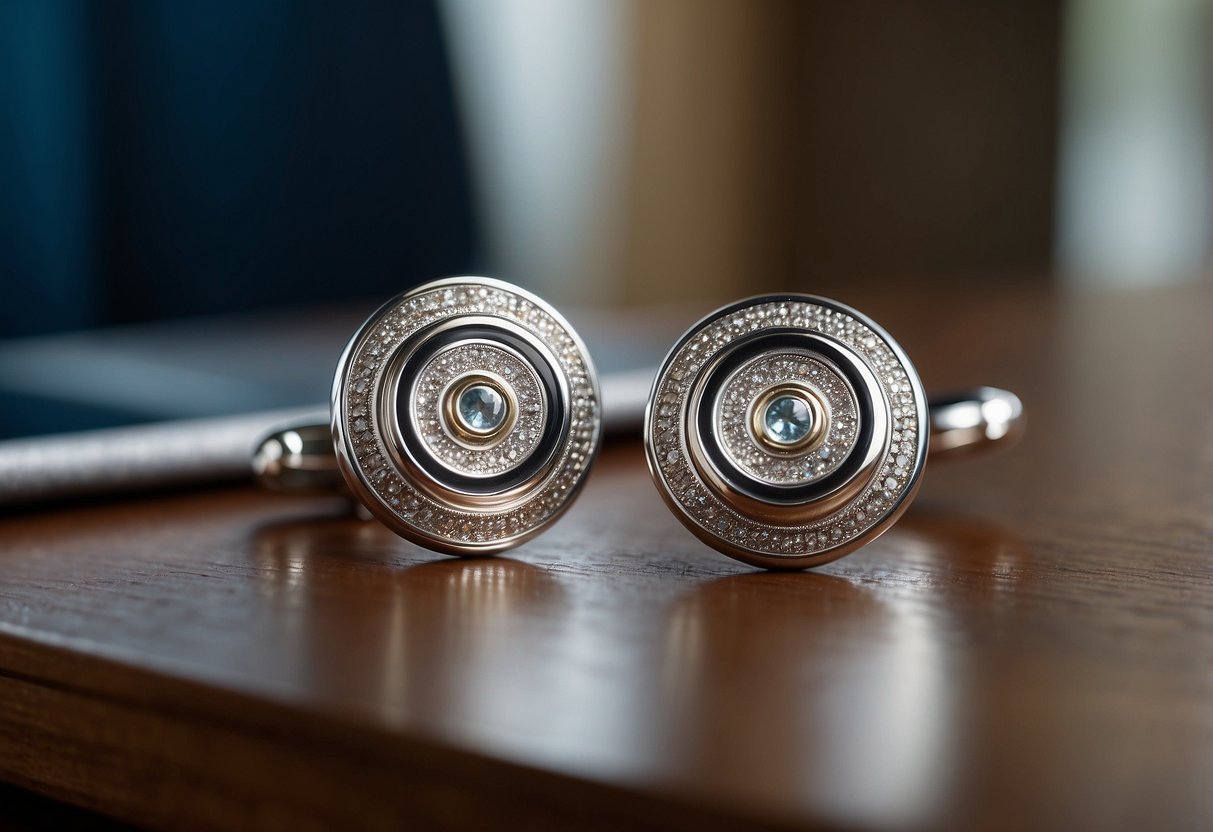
788 430
465 415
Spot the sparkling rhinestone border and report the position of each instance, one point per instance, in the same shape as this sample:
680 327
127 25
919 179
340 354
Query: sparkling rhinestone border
514 447
749 381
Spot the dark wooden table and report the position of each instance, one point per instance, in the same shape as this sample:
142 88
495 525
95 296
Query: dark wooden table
1031 647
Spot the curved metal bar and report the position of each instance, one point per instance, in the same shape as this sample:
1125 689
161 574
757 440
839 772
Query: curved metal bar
973 421
299 458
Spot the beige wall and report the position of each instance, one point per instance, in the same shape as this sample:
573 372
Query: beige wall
712 152
786 144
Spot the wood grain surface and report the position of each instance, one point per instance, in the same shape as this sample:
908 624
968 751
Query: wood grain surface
1030 647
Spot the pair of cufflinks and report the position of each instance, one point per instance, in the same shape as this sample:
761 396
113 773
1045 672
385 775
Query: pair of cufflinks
783 430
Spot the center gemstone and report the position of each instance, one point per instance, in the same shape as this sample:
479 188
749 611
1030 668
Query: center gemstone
481 409
787 420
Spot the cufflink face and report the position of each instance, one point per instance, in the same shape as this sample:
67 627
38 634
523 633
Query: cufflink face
465 415
786 430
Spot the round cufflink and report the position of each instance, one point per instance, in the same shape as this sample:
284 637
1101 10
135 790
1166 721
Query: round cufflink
465 416
788 430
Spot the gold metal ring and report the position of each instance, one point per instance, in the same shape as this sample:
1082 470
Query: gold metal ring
818 418
465 434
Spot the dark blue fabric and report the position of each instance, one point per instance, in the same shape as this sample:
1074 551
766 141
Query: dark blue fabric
47 265
164 159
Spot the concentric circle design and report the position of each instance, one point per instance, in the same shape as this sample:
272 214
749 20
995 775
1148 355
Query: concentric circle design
743 392
439 383
755 501
400 447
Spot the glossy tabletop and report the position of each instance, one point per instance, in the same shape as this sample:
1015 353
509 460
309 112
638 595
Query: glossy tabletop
1030 647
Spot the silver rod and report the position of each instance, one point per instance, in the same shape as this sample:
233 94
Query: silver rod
299 458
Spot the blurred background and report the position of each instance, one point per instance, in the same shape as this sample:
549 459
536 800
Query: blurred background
200 201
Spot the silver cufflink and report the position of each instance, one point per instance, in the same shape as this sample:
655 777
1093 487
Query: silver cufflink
788 430
465 416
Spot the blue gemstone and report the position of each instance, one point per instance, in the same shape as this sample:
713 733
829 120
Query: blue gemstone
787 420
481 408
